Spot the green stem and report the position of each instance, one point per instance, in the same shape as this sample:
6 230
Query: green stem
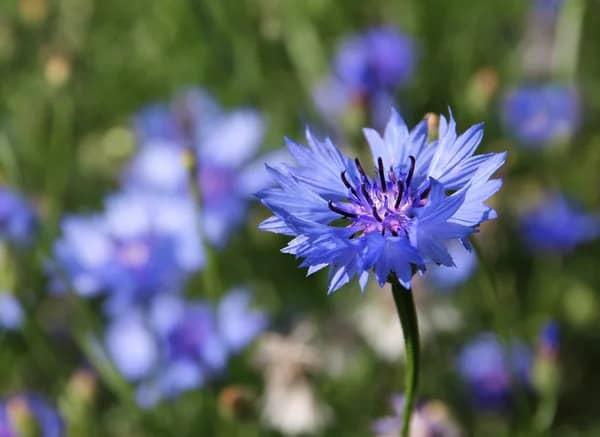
407 313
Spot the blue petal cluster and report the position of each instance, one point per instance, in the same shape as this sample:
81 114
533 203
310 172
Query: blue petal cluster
378 59
557 225
18 219
175 345
367 68
219 146
421 196
538 115
492 370
16 411
140 245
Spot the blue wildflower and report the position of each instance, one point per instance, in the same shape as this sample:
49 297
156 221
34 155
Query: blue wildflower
23 413
378 59
557 225
175 345
18 220
421 197
222 144
492 370
542 114
11 312
139 246
367 68
222 156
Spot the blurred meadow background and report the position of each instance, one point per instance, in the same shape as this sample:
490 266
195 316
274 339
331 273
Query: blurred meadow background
137 295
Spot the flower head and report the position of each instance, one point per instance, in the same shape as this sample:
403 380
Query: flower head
491 370
380 58
543 114
222 145
558 225
138 246
18 219
393 221
174 345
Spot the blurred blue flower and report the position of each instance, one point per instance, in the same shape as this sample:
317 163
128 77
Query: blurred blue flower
445 278
222 157
429 419
541 114
175 345
11 312
157 122
378 59
159 167
223 145
421 197
139 246
18 219
367 68
557 225
491 370
22 412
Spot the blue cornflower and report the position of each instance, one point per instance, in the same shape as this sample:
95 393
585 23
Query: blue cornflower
222 144
491 370
11 312
367 68
18 219
541 114
421 196
27 412
557 225
174 345
378 59
139 246
430 418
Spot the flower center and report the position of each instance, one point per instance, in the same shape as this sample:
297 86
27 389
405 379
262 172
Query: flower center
384 204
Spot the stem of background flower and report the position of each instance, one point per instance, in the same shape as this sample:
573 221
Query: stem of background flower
544 416
568 37
210 272
407 313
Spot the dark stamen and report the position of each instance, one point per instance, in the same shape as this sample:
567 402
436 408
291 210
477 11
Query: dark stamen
360 168
376 214
394 233
400 193
340 211
348 185
366 194
381 175
411 170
